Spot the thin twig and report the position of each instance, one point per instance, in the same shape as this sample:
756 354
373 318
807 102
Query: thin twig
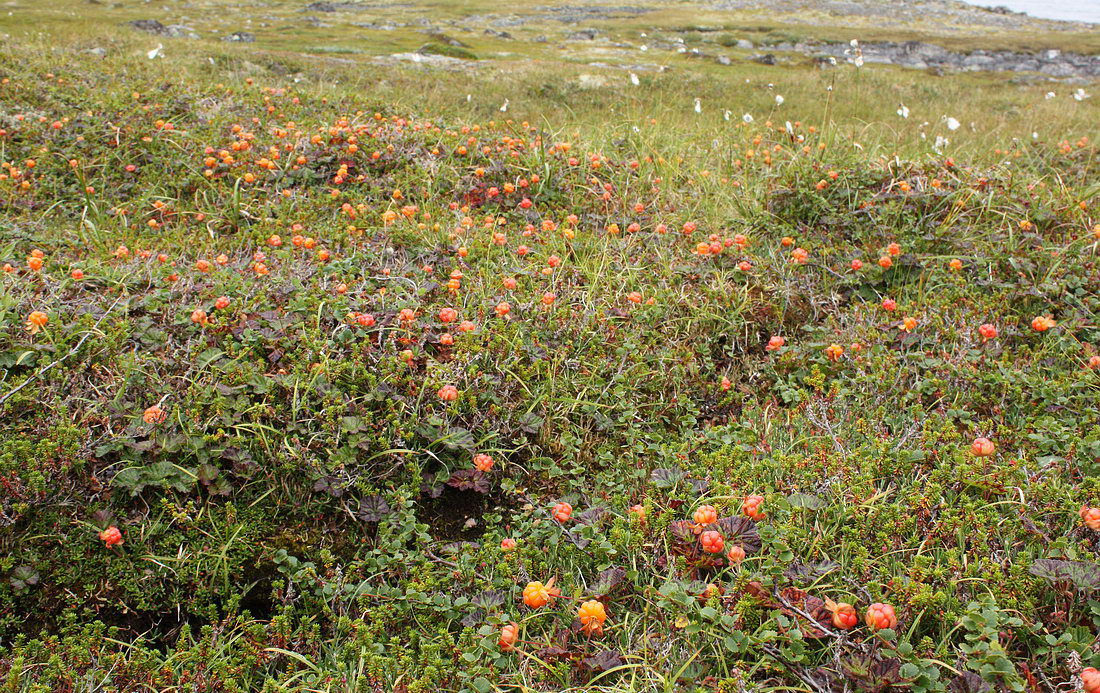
813 621
803 676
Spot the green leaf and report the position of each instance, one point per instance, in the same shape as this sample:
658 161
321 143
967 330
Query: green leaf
805 500
909 671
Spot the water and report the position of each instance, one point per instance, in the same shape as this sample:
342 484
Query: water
1071 10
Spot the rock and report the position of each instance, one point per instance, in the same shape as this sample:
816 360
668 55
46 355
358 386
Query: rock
444 38
512 21
723 60
575 14
765 59
239 37
1059 69
428 60
587 81
744 44
979 62
641 67
152 26
378 27
446 50
325 6
920 55
97 51
499 34
583 35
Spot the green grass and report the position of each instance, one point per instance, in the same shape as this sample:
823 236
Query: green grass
305 514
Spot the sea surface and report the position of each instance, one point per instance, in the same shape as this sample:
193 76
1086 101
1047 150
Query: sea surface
1072 10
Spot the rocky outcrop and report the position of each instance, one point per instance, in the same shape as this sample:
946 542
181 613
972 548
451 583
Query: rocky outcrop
152 26
920 55
240 37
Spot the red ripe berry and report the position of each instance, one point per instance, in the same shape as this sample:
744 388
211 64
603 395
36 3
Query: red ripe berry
483 462
562 512
712 541
705 515
1090 680
880 616
982 447
844 614
111 536
1090 516
508 636
751 507
448 393
1042 323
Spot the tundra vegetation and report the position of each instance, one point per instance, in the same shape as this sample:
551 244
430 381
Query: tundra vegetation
422 348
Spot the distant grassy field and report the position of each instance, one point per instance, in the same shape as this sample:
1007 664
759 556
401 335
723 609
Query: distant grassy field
382 353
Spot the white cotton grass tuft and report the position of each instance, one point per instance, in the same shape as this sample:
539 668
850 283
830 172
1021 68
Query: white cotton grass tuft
855 53
903 110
